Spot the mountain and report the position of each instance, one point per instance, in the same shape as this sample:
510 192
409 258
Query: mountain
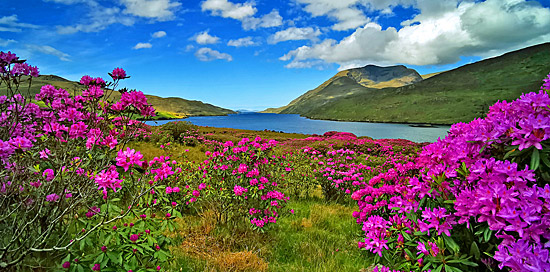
350 82
171 107
457 95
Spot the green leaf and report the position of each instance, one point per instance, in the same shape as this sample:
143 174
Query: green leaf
438 269
487 234
451 243
80 268
535 160
474 250
544 157
406 236
449 268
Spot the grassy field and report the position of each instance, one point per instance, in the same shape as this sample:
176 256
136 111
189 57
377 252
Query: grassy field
320 235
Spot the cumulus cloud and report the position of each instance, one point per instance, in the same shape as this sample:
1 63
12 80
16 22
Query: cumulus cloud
160 10
208 54
142 45
242 42
294 34
346 12
271 19
159 34
243 12
228 9
440 34
205 38
11 24
48 50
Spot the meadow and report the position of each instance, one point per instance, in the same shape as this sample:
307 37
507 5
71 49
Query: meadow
87 187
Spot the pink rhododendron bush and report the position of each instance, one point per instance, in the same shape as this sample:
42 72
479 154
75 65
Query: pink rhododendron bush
481 202
238 183
69 188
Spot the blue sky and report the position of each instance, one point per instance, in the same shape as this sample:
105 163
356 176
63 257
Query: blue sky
260 53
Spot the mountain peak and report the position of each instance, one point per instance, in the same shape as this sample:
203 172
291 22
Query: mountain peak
371 75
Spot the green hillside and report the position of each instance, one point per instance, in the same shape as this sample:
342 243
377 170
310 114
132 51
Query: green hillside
458 95
171 107
348 82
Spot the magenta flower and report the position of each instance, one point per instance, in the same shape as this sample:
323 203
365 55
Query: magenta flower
118 73
48 174
238 190
108 179
129 157
134 237
96 267
52 198
44 153
66 265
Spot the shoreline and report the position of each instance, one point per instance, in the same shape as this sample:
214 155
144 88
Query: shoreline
411 124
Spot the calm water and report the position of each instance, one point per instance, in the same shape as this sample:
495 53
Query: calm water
294 123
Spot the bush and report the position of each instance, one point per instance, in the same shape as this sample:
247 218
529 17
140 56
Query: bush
482 199
67 179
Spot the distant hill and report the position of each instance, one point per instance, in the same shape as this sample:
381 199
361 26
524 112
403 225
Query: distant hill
348 82
171 107
457 95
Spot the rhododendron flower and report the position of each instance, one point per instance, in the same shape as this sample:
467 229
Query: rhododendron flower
48 174
134 237
96 267
52 198
66 265
176 189
44 153
118 73
108 179
238 190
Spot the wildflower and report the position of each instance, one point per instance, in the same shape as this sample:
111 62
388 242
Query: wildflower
48 174
134 237
66 265
52 198
96 267
118 73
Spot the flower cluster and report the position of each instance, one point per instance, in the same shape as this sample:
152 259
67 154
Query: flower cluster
487 175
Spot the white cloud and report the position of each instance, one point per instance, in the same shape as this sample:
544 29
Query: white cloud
6 42
159 34
271 19
205 38
242 42
161 10
48 50
442 33
294 34
227 9
98 19
345 12
11 24
243 12
142 45
207 54
189 47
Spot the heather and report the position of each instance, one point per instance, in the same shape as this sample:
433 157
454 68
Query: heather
85 186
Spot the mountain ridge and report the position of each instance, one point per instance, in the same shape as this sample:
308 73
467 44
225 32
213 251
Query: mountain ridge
457 95
166 107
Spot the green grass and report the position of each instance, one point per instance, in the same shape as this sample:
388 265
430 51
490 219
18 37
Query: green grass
319 236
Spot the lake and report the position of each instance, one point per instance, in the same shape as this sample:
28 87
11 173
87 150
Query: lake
294 123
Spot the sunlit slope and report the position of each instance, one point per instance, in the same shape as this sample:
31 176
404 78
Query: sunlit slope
171 107
458 95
